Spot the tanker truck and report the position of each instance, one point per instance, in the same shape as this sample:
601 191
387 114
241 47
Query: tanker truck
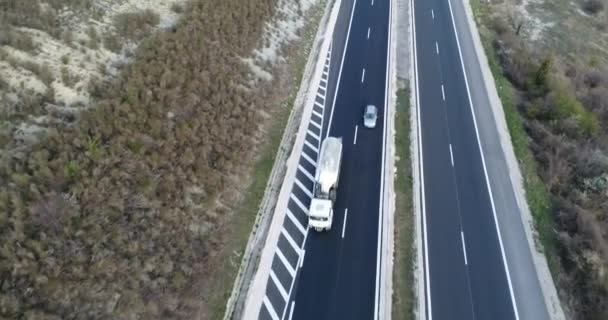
320 214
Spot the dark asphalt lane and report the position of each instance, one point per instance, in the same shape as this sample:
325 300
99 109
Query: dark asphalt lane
457 198
338 277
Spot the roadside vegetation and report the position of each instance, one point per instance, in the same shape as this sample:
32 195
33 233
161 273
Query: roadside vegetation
403 272
129 212
555 99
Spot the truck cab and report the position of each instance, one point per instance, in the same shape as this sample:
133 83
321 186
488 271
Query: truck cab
321 214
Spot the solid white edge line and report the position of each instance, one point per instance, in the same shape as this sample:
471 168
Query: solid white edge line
356 129
485 171
368 30
464 249
442 92
279 285
363 76
270 308
451 155
427 286
293 306
344 224
331 115
437 47
379 303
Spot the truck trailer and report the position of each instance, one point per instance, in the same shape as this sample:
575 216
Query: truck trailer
327 175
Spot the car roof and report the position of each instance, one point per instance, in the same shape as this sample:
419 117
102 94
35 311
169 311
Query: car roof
370 107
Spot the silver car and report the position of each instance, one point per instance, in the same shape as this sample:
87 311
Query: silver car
370 116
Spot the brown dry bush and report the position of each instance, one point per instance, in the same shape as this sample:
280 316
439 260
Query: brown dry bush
136 25
94 220
566 119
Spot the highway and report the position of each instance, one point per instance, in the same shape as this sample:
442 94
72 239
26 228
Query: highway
338 276
467 278
468 272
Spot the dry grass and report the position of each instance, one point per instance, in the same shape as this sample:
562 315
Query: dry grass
125 213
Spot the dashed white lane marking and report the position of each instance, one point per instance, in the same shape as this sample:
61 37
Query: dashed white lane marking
442 93
344 224
451 155
270 309
293 306
303 188
464 248
286 263
278 284
437 47
356 129
299 203
363 76
433 13
306 173
368 30
295 221
372 2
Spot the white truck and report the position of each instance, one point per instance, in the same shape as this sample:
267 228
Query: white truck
321 212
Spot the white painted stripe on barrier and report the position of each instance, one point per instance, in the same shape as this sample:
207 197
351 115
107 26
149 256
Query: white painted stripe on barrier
316 124
314 135
292 242
305 156
315 149
270 309
317 114
303 188
306 173
278 284
295 221
299 203
286 263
